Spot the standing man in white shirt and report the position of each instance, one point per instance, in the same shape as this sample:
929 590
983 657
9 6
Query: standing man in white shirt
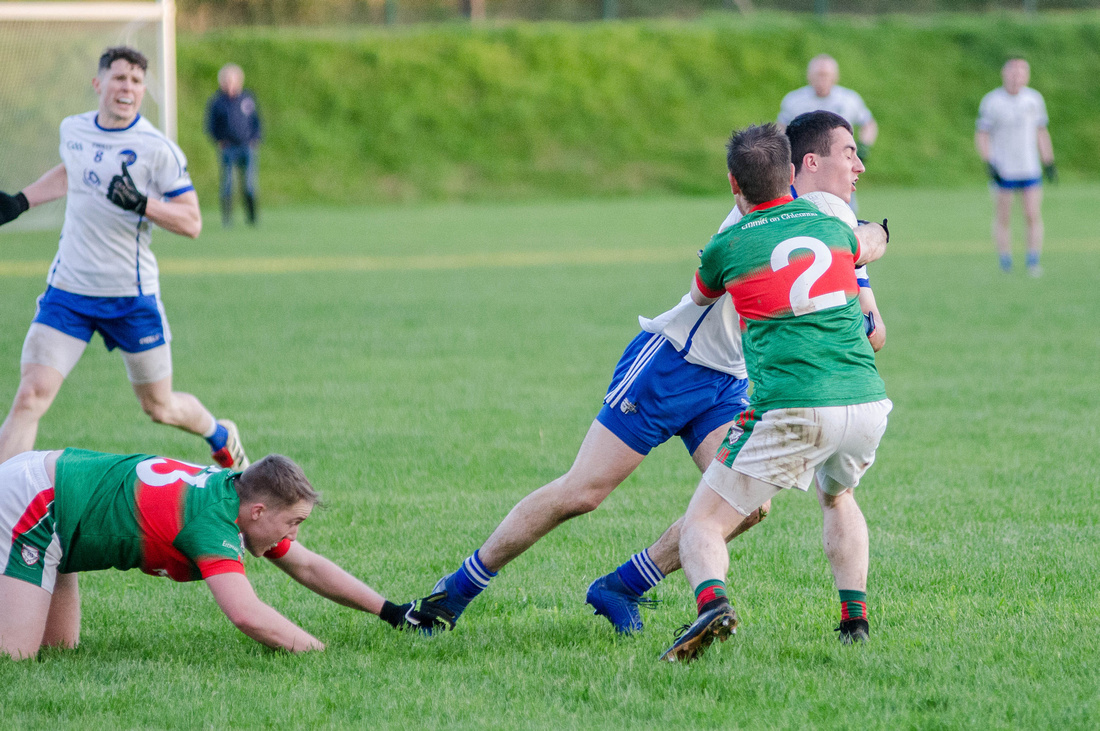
824 94
121 176
1013 140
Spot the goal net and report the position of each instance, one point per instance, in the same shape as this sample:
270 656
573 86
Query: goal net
49 52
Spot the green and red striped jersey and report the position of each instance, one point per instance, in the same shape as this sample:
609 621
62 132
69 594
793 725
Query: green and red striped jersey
790 270
166 517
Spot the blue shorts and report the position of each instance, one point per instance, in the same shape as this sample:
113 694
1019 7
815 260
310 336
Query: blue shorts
1019 184
134 324
656 394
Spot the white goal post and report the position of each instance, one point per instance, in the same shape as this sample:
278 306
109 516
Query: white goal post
48 53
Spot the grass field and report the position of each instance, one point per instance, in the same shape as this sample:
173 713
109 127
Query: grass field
430 366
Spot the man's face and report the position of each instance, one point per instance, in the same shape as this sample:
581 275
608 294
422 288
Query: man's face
264 527
121 89
822 76
1015 74
232 82
836 172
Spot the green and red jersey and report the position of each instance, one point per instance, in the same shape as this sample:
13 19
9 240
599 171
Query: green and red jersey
166 517
790 270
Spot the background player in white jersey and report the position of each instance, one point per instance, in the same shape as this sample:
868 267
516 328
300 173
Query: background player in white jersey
823 93
121 176
1013 140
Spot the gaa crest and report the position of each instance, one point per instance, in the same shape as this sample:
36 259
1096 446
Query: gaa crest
30 555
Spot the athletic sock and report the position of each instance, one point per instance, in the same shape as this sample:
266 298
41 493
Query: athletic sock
472 577
710 594
217 438
639 573
1006 262
1032 260
853 604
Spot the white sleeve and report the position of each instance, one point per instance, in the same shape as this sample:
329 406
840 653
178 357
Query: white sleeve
171 177
985 120
786 114
862 114
734 216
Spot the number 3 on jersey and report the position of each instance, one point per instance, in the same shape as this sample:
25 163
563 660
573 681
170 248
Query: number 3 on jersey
160 472
801 301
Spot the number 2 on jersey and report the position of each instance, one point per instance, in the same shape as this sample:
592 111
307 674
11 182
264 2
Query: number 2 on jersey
801 301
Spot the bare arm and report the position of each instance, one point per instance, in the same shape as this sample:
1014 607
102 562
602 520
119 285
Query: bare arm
52 185
868 305
180 215
872 242
1046 147
982 145
698 297
235 597
868 133
322 576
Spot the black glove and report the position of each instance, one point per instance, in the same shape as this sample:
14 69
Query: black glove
1051 171
886 229
863 150
993 174
407 616
124 194
12 206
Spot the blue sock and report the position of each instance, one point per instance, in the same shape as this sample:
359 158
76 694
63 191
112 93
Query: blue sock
1032 260
471 578
639 574
218 439
1006 262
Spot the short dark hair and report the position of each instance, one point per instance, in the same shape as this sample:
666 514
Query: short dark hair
278 479
132 56
813 132
759 159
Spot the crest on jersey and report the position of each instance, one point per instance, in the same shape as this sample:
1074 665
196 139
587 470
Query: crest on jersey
127 156
30 555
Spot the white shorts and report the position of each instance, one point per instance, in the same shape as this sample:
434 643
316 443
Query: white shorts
784 448
30 549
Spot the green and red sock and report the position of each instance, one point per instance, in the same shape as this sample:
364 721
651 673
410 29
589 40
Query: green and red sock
710 594
853 604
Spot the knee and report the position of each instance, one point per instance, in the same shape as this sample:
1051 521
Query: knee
579 495
33 397
157 410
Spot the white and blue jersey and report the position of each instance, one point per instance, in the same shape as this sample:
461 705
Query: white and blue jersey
1013 122
840 100
104 250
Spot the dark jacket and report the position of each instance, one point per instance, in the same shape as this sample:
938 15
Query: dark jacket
233 120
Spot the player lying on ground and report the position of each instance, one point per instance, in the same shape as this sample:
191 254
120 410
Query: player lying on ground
119 175
683 375
819 407
71 511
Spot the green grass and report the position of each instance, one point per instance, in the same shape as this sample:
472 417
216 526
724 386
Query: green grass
425 401
360 115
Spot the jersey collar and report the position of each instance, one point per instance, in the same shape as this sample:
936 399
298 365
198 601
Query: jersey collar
772 204
116 129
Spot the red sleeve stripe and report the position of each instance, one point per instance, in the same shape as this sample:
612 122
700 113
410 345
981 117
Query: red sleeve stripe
707 291
278 550
213 566
38 509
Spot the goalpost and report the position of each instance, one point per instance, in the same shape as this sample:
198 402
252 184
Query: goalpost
48 53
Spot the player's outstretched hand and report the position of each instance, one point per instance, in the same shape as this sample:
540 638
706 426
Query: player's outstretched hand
124 194
12 206
425 620
1051 171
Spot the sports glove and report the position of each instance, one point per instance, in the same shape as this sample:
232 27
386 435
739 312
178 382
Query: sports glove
12 206
885 228
407 616
993 174
124 194
863 150
1051 171
869 324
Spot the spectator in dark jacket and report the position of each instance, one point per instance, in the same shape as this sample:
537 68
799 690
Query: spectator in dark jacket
233 120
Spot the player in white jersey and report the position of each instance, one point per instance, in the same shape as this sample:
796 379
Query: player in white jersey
824 94
683 375
121 176
1013 140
